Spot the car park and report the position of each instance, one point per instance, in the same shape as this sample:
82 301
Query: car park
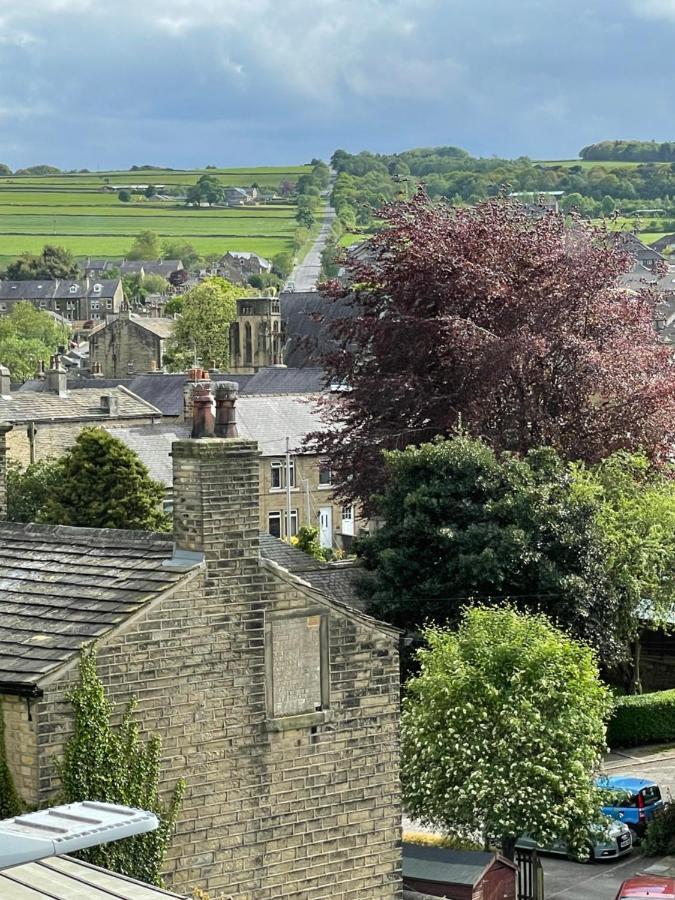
642 886
608 841
633 801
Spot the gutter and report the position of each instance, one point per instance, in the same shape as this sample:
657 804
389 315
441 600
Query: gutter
16 689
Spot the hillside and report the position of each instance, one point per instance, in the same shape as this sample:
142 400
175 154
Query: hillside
83 213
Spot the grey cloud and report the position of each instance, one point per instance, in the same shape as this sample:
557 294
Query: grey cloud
246 81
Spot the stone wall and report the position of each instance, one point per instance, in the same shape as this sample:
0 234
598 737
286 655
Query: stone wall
123 347
288 796
21 745
54 438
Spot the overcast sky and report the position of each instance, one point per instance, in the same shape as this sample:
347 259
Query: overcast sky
106 83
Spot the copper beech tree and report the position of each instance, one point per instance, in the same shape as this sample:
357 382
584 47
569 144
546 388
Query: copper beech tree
514 328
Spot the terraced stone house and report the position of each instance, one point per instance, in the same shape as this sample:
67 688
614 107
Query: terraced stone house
278 703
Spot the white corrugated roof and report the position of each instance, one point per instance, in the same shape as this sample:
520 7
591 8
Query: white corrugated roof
63 878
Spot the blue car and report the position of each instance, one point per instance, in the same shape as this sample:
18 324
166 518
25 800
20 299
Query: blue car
633 801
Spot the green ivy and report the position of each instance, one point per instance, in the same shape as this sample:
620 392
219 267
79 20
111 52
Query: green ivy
10 802
113 764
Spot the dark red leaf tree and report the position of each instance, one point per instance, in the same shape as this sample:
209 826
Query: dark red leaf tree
513 328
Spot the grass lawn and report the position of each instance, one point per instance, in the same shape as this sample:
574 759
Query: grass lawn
74 211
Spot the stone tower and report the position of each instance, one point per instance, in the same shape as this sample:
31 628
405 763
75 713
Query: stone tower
255 338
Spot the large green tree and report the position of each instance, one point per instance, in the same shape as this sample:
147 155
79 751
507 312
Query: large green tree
463 524
27 337
502 731
635 503
101 483
53 262
203 329
145 246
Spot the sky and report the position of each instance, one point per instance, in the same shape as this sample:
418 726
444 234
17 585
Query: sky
185 83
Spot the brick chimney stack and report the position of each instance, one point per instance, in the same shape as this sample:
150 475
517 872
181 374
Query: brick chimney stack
216 503
226 410
57 377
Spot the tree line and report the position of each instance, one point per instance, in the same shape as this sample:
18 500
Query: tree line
630 151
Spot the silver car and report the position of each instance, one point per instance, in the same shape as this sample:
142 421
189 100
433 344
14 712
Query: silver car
604 842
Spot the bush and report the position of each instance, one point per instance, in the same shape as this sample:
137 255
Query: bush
660 835
642 719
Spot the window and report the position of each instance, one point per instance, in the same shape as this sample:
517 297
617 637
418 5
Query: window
278 474
325 475
3 307
98 288
274 524
297 670
294 523
108 304
73 289
94 304
347 513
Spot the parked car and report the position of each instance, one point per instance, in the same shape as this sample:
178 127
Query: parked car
633 801
604 842
647 886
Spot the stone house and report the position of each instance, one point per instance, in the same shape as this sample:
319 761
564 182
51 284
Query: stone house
75 301
97 268
47 422
238 266
127 344
271 421
277 703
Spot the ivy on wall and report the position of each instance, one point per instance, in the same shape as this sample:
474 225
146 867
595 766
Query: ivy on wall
113 764
10 802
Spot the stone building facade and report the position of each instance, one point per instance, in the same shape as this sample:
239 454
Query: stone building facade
291 759
47 422
255 338
129 344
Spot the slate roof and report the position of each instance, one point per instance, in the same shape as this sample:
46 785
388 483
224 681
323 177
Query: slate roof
61 587
163 328
632 244
46 406
46 289
305 315
444 866
269 420
64 878
266 420
336 580
153 445
640 277
280 380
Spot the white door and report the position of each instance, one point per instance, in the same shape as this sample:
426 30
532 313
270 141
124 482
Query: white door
326 526
348 520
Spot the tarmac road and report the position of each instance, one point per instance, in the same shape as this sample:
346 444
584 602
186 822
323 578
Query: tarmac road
306 274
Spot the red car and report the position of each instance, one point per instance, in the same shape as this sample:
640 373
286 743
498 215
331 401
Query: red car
647 886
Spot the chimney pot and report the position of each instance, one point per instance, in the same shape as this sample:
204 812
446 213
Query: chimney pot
5 381
57 378
203 423
226 411
110 404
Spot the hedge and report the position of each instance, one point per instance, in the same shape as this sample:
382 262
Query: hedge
642 719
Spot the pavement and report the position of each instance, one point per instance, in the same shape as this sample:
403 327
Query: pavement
306 274
566 880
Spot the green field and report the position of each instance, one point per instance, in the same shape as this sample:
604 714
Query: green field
591 163
75 212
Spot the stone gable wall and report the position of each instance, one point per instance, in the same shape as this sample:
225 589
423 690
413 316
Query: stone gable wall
123 342
306 806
